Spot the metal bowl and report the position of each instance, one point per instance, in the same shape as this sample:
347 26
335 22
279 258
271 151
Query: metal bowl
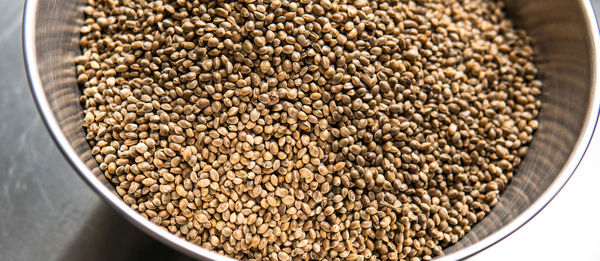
567 43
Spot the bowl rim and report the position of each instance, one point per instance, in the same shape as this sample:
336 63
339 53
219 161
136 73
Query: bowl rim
162 235
158 233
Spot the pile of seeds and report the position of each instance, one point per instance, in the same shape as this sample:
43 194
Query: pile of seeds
308 129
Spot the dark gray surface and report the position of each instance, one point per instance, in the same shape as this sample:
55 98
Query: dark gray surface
46 211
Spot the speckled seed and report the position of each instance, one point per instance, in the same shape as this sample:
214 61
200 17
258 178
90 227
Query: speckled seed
308 130
288 200
203 183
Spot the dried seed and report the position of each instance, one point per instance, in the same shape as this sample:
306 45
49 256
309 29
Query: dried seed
288 200
180 191
308 130
203 183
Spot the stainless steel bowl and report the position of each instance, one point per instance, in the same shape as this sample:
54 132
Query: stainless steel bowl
567 44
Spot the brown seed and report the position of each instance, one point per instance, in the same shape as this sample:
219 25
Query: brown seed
180 191
288 200
323 170
339 166
203 183
262 229
308 130
148 181
254 115
271 201
306 174
283 256
328 211
411 54
265 66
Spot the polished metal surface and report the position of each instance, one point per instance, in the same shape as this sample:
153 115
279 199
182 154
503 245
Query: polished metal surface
46 211
566 42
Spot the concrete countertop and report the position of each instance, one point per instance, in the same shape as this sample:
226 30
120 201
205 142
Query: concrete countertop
48 213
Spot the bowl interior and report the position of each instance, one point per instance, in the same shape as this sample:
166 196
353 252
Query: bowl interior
564 53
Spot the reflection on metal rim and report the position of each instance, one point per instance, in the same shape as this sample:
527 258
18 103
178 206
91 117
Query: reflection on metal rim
29 26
